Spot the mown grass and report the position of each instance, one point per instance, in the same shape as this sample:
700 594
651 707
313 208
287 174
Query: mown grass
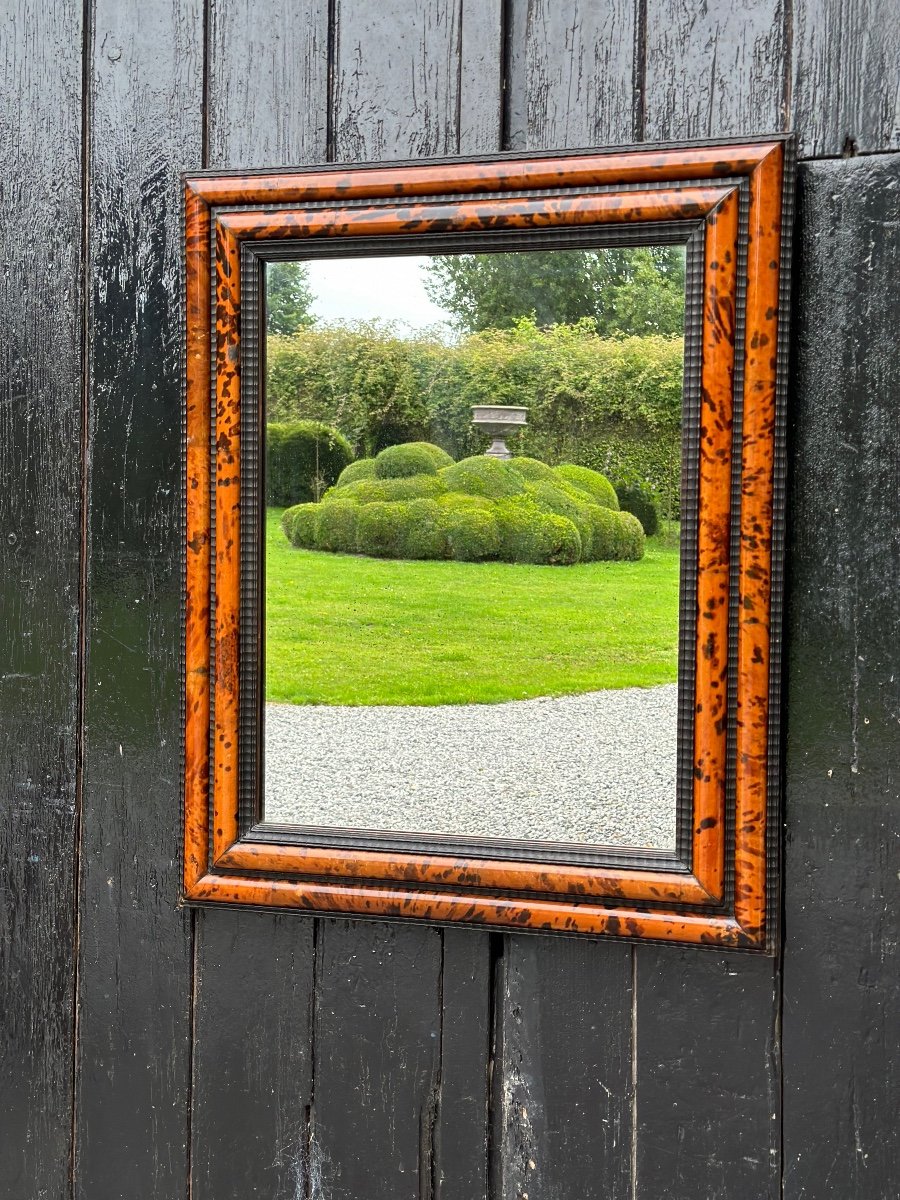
347 630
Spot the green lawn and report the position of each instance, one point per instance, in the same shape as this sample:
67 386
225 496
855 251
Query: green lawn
348 630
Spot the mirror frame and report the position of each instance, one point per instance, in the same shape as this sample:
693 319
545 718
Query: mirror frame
720 885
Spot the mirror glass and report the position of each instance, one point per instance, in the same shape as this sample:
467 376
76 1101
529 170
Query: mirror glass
472 486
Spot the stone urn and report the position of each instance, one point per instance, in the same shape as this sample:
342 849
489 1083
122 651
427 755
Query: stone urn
500 421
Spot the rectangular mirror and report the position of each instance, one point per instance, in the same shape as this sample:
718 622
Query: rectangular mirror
472 482
484 508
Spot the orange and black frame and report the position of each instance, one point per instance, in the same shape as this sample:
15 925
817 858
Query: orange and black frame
730 204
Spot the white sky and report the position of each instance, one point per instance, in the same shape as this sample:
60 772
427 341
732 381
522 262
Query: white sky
361 289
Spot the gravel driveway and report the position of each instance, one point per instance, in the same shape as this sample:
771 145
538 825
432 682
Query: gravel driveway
594 768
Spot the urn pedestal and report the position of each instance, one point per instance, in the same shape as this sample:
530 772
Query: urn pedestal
499 421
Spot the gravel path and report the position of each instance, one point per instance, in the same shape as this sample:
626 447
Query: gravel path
596 768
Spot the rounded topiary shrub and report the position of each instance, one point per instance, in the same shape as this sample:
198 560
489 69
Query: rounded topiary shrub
363 468
423 531
569 503
596 485
387 491
469 527
380 530
303 458
336 527
410 458
477 510
533 470
483 476
299 524
640 500
617 536
529 535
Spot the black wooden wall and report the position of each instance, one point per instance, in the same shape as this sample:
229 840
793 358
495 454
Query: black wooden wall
150 1053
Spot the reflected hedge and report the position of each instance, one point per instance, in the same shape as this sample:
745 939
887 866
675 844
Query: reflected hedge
613 404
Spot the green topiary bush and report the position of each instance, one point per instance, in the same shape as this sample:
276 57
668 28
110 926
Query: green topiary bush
470 528
639 499
423 535
533 470
480 509
336 527
387 491
303 458
483 476
300 523
575 508
411 458
616 536
380 529
529 535
597 486
363 468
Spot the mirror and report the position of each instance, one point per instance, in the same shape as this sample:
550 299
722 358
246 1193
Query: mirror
484 494
472 543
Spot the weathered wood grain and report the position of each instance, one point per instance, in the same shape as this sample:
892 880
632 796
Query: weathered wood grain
714 70
267 82
146 74
461 1131
563 1070
841 974
481 77
396 79
846 76
252 1054
570 73
377 1040
40 484
706 1076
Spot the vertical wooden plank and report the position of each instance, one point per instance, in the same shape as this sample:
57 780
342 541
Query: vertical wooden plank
563 1068
713 70
571 73
267 105
252 1056
145 71
396 79
40 486
846 76
377 1061
707 1103
461 1125
841 973
267 83
481 76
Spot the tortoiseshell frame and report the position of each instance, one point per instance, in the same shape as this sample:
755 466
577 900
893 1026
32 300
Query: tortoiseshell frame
721 887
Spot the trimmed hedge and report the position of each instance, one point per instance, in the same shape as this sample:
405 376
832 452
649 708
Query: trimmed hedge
533 470
303 458
640 500
597 486
336 528
363 468
412 458
530 535
368 491
482 476
612 404
477 510
470 528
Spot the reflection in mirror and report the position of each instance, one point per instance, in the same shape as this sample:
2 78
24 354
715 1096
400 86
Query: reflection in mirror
473 467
